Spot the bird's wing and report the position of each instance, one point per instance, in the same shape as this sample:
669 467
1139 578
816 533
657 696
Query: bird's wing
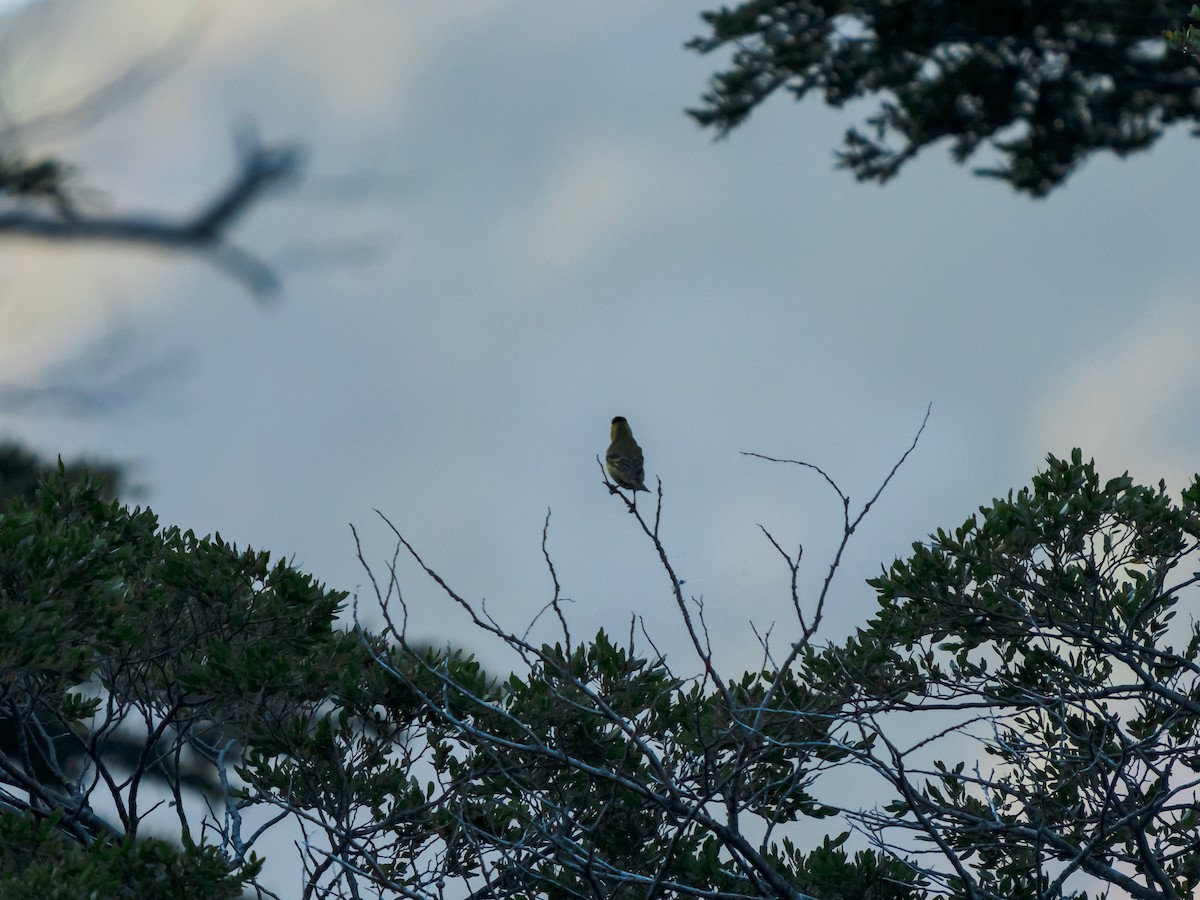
625 463
637 469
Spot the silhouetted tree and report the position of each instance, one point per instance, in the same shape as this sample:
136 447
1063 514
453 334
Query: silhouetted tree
1042 85
1019 720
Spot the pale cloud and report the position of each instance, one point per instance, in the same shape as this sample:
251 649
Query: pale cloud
1131 402
598 188
167 145
320 61
58 54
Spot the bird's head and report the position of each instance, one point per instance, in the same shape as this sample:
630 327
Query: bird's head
620 428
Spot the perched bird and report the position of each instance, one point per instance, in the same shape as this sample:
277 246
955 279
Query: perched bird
624 458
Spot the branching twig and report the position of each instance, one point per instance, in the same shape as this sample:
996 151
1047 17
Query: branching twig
206 233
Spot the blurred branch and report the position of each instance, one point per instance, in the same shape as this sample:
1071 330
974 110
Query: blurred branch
261 169
44 205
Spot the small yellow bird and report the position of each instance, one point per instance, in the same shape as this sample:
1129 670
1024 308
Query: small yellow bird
624 458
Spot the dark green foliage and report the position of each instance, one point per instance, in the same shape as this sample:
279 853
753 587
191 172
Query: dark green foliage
1186 40
830 873
38 863
1045 628
22 471
1043 85
144 655
600 773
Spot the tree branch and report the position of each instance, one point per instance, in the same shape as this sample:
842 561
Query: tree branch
261 169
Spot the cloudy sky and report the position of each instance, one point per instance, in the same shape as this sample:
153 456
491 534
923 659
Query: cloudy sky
508 234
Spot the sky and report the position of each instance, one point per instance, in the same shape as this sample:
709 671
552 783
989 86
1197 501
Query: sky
508 233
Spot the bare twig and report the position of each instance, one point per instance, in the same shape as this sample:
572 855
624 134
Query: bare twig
554 601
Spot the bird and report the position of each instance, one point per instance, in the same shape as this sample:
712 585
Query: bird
624 458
